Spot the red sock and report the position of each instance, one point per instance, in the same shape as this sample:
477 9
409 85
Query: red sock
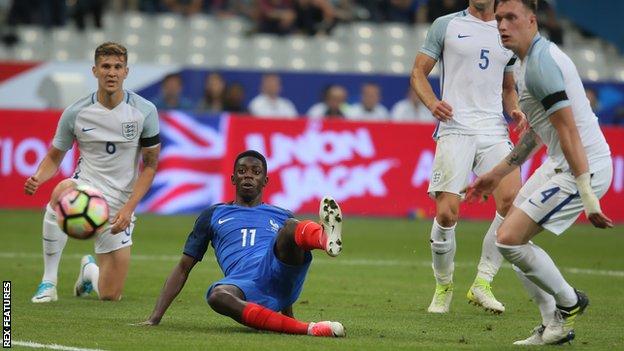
262 318
309 235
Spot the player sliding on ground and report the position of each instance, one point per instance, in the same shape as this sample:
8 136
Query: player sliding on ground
263 252
576 174
112 128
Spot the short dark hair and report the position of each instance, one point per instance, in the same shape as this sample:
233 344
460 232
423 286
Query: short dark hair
529 4
110 48
255 154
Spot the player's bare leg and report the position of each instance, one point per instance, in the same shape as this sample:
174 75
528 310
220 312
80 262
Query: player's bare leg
286 248
54 241
480 293
513 242
228 300
60 188
107 279
443 249
113 272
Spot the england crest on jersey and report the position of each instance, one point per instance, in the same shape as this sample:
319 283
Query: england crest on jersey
130 130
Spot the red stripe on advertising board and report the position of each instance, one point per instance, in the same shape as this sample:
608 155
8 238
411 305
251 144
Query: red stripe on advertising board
10 69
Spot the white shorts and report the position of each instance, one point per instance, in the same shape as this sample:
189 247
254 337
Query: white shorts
457 156
106 242
551 198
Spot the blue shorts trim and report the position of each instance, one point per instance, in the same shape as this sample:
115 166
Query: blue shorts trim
558 208
270 283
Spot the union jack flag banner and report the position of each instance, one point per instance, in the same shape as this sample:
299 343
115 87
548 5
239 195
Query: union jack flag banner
372 168
189 175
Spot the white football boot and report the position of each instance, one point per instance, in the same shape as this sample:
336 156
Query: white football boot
331 220
327 329
561 328
480 294
46 292
442 297
534 339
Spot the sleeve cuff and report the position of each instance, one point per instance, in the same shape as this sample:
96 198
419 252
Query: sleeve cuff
429 53
62 147
151 141
558 106
192 255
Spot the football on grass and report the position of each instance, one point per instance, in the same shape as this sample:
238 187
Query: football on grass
82 212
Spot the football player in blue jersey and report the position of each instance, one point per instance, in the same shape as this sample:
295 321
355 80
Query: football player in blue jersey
264 254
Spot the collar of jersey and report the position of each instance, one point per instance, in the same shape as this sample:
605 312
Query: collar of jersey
126 99
232 203
536 38
473 18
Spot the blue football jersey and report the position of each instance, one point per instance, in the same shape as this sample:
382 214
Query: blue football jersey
239 235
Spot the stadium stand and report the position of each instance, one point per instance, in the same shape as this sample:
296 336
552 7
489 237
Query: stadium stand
210 40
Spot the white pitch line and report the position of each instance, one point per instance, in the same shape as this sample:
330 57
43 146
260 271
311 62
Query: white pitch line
609 273
37 345
341 261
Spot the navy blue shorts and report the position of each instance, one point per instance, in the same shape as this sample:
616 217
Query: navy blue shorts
273 284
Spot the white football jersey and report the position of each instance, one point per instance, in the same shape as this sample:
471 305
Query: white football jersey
109 141
548 81
473 62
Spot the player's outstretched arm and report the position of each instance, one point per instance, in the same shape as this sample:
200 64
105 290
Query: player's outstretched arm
422 67
142 185
527 146
572 147
174 284
46 170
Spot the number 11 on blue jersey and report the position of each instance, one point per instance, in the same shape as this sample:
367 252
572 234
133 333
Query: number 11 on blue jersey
252 236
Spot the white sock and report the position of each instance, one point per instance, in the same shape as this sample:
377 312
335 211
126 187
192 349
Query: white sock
443 248
545 302
491 258
54 241
538 267
92 274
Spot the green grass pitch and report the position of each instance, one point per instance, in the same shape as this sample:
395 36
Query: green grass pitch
379 288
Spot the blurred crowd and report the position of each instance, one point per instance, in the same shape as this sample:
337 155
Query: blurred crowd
334 101
311 17
221 96
281 17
